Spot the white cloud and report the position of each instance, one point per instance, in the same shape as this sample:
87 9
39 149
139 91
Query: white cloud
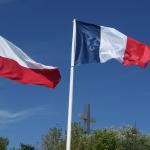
7 117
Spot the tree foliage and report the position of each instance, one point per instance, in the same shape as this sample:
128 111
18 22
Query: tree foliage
3 143
125 138
26 147
53 140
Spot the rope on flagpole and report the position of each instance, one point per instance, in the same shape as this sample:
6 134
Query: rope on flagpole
68 144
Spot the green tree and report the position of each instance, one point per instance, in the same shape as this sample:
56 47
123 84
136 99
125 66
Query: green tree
130 138
53 140
3 143
77 136
26 147
126 138
104 139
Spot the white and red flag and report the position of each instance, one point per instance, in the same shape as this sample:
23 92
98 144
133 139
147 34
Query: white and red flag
16 65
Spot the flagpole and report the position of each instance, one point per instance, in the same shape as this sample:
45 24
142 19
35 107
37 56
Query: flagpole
68 144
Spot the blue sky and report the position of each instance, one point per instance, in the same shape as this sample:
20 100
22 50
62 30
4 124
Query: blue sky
118 95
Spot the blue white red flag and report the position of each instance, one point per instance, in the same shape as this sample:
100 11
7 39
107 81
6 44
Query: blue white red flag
98 44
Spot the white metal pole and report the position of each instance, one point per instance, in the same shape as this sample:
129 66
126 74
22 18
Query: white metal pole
68 144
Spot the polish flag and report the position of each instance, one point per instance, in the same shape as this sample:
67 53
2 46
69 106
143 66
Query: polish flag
18 66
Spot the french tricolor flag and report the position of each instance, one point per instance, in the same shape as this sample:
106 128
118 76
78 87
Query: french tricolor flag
16 65
98 44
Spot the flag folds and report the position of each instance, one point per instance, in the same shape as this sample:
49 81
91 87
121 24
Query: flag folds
16 65
98 44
